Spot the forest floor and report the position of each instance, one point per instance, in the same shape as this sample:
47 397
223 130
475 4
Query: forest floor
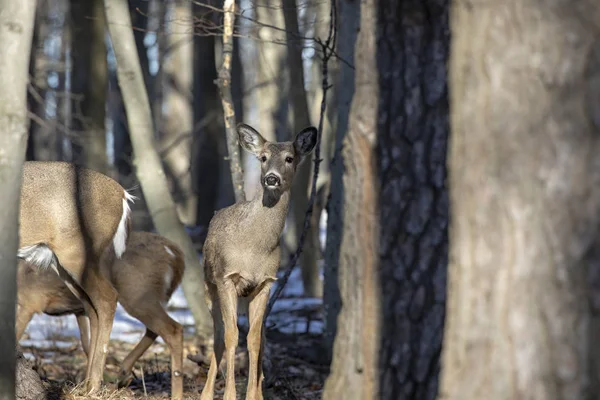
295 354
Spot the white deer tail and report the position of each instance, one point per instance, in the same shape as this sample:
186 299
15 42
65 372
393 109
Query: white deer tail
120 238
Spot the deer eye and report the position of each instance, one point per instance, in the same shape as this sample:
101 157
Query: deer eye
289 160
263 158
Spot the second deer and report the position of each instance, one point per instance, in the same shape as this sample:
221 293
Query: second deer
145 278
242 254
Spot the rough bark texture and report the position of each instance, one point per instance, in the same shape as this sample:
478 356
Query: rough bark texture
29 386
311 277
90 81
177 124
349 13
354 372
413 45
16 32
525 199
147 162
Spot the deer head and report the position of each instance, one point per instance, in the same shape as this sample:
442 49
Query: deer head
278 161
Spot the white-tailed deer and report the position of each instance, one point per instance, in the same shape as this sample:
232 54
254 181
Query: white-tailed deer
241 256
76 221
145 278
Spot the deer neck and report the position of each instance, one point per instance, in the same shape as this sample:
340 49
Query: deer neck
270 210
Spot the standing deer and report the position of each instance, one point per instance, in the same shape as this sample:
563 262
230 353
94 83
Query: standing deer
242 254
76 221
145 278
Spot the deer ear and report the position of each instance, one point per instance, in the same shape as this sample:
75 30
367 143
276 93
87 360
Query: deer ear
250 139
306 141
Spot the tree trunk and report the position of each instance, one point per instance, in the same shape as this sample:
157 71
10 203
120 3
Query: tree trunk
321 30
349 13
90 80
224 83
354 370
311 277
16 32
43 131
29 386
525 84
147 161
210 146
177 123
413 50
270 80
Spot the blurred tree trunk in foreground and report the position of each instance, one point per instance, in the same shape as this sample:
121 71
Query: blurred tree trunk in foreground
147 161
90 81
525 198
354 372
16 31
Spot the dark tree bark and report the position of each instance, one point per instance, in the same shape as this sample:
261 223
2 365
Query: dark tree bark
412 49
525 199
354 370
90 80
16 32
413 45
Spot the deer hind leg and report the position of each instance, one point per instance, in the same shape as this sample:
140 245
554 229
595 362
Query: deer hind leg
153 315
218 342
255 339
24 315
83 323
127 364
103 299
66 262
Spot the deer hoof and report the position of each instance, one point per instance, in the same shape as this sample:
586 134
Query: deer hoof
124 379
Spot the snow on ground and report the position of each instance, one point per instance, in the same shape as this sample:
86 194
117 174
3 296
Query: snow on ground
290 314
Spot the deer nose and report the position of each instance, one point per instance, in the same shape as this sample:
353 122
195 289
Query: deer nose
272 180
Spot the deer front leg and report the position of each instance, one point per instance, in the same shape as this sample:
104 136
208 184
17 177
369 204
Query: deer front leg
212 301
256 312
228 302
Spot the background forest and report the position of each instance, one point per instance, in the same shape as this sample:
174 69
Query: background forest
401 237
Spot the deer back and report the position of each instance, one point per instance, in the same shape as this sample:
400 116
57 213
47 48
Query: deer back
65 205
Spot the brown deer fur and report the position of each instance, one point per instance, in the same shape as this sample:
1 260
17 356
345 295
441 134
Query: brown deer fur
241 255
145 278
76 221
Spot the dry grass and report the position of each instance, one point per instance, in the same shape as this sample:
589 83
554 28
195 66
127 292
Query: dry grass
294 373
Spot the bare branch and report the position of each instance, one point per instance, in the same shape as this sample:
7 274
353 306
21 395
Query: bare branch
327 54
224 83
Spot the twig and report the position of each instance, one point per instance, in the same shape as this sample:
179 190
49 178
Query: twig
144 382
327 54
224 83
